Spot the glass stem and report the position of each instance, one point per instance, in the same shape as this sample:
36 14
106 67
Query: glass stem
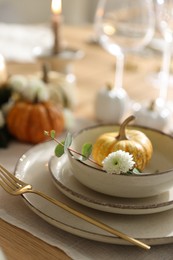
165 72
119 71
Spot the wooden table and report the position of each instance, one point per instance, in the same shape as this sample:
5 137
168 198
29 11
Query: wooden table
97 68
92 72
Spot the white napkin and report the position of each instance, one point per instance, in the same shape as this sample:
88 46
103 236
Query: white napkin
2 255
18 41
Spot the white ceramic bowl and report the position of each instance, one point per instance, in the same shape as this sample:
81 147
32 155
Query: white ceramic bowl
158 175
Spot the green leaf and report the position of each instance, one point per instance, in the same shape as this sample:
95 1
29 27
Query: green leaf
68 141
59 149
136 171
86 151
128 172
52 134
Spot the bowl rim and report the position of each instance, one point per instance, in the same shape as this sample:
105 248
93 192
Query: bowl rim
76 133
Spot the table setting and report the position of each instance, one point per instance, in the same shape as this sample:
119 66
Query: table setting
57 124
22 216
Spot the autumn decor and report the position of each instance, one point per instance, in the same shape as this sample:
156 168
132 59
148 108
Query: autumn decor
61 88
27 121
129 140
152 115
111 104
32 104
32 112
119 174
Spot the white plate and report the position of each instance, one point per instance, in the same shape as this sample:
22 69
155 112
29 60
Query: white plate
64 179
32 168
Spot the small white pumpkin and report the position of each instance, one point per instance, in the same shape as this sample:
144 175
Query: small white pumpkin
61 88
151 116
111 105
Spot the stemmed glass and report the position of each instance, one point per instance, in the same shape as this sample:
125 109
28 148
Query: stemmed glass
164 21
124 26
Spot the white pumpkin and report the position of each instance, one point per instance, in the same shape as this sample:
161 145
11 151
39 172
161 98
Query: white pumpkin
151 116
61 88
111 105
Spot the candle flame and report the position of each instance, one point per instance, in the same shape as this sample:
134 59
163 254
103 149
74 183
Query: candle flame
56 6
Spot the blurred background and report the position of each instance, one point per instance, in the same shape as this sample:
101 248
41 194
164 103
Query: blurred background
22 11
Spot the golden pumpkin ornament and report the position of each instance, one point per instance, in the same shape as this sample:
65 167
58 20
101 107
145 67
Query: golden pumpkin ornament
130 140
27 121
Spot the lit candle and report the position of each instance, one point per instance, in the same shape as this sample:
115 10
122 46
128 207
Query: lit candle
56 21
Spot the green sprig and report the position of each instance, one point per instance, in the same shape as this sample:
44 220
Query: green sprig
133 171
59 149
85 154
64 145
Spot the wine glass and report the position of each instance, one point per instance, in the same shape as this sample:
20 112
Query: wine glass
164 21
124 26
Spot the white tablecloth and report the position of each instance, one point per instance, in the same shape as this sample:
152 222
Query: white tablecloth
19 41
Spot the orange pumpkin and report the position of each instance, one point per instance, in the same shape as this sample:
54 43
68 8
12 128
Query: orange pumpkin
28 121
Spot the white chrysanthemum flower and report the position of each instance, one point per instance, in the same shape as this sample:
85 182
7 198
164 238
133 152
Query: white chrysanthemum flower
43 94
18 83
118 162
2 119
34 86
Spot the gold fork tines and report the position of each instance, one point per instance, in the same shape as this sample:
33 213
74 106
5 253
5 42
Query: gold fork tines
11 184
14 186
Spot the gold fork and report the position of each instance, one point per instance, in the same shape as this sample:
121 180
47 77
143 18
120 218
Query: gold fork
14 186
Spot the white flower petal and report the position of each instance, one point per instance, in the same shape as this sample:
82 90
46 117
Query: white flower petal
43 94
118 162
18 83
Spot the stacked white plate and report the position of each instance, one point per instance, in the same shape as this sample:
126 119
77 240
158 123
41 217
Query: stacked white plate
147 219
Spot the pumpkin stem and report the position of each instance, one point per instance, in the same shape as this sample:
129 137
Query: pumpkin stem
122 134
109 86
45 70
